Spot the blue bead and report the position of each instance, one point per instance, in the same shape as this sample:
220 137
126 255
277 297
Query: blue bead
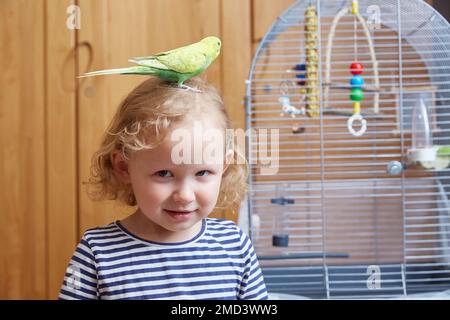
300 76
356 82
300 67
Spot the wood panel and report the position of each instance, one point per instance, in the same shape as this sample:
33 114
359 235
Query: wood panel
236 59
23 153
264 13
61 142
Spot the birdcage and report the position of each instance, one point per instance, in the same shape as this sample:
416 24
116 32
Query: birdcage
355 96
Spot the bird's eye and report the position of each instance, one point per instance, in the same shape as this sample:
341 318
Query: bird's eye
218 43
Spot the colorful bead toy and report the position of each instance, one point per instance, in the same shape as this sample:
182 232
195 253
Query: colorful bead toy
356 95
356 68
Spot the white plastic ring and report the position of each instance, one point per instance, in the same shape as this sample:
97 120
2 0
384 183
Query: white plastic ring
350 121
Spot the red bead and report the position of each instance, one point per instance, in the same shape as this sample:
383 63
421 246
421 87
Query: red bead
356 68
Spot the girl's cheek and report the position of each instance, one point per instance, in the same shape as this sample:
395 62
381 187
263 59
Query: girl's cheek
213 187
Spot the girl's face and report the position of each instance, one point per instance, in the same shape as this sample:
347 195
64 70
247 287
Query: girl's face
175 197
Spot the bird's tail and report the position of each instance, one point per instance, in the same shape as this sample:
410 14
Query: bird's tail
129 70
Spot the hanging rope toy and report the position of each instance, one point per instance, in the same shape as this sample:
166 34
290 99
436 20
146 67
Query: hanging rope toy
356 95
312 62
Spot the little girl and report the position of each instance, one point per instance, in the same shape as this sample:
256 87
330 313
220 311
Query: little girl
168 248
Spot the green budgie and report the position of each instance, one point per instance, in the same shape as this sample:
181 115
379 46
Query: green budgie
442 158
177 65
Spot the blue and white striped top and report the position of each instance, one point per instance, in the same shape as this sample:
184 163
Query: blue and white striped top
112 263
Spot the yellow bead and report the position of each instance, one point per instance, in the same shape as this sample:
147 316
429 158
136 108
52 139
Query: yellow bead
355 8
356 107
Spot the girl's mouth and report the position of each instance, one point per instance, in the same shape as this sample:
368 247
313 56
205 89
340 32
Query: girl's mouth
179 215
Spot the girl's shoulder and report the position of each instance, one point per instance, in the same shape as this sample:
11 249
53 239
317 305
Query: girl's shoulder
223 226
101 231
226 232
221 223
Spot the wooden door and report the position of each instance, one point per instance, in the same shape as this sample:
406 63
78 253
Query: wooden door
22 153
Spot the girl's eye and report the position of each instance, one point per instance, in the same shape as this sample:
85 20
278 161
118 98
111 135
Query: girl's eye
203 173
164 173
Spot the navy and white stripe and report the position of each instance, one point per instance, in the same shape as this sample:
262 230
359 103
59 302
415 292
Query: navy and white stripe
218 263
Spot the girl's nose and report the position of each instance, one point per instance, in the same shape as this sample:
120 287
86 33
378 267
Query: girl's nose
184 193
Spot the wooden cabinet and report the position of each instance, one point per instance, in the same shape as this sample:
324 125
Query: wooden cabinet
23 167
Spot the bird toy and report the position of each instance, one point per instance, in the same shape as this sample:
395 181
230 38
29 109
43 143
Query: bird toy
312 62
177 65
357 82
286 106
301 76
356 95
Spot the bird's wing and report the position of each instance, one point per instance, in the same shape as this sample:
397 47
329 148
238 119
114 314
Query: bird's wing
149 62
157 54
164 53
183 60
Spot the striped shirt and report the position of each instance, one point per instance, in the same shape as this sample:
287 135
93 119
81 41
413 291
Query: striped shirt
112 263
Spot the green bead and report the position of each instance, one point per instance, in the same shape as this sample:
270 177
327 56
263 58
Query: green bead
357 94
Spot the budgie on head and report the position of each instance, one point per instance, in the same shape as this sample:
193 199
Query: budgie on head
176 65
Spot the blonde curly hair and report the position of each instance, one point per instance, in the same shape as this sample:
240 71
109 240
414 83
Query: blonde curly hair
139 123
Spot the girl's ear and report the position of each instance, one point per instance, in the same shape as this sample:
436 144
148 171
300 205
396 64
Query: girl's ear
120 167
